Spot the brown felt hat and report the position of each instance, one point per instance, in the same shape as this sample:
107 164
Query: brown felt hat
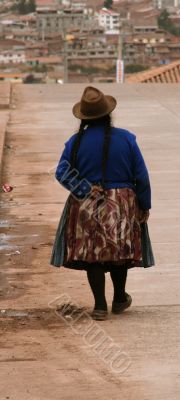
94 104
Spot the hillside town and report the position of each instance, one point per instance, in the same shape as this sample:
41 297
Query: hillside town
86 40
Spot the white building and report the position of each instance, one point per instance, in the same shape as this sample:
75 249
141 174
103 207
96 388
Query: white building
12 57
160 4
109 19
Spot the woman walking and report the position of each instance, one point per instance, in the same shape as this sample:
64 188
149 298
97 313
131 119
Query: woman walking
100 229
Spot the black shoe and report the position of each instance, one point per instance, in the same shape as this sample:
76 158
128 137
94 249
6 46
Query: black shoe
118 308
99 315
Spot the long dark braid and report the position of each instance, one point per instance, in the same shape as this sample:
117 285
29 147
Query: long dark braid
76 144
106 121
107 136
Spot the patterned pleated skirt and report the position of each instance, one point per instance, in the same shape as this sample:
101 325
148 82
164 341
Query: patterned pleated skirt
102 228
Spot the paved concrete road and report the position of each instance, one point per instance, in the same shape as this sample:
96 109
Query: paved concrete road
44 357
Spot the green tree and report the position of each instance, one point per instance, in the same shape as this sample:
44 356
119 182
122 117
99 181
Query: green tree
133 68
29 79
24 6
31 6
164 22
108 3
21 7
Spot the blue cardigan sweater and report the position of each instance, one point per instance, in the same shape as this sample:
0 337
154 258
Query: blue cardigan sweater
125 166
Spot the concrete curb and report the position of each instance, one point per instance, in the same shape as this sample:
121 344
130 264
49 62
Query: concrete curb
5 93
4 116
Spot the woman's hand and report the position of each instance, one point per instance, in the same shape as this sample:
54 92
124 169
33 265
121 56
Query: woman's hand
96 190
143 216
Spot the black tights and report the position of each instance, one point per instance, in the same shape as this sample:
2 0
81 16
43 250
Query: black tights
96 278
119 276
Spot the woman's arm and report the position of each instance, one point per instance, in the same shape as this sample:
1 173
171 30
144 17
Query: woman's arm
69 178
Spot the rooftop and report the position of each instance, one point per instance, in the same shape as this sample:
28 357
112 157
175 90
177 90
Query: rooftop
166 74
105 11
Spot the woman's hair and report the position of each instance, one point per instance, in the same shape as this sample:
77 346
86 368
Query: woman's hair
76 143
106 121
107 137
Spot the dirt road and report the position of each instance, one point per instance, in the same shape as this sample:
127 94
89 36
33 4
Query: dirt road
45 355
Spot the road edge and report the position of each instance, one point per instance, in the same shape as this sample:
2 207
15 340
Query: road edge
5 98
